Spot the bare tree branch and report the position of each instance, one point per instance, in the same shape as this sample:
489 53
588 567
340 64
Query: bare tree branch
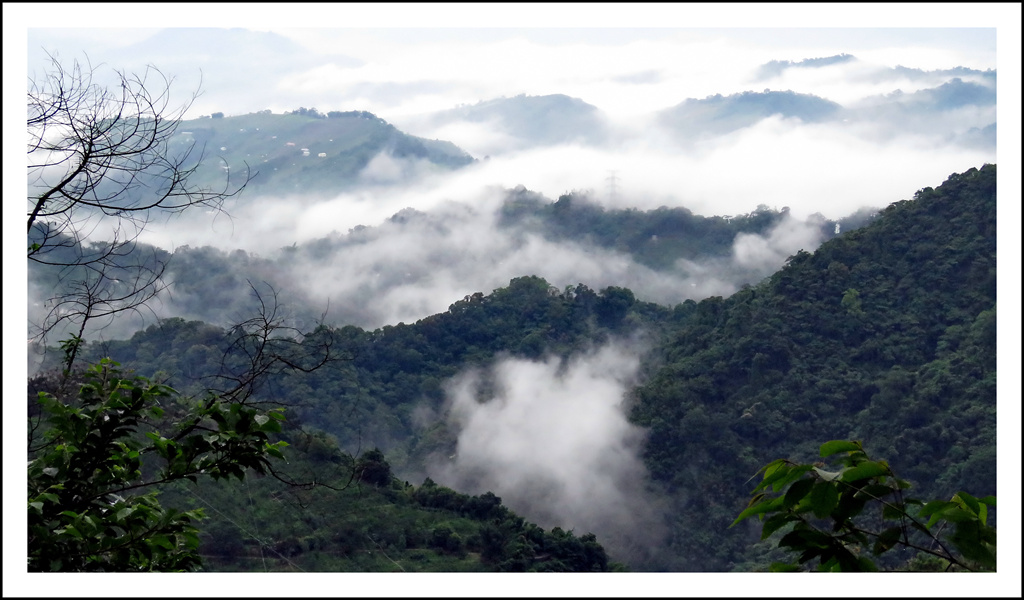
101 162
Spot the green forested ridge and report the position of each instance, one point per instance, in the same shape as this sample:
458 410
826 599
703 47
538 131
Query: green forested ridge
656 238
884 334
372 398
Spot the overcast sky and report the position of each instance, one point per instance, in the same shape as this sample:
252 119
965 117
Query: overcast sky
630 61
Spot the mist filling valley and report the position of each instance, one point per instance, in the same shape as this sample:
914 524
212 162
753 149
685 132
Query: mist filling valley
552 439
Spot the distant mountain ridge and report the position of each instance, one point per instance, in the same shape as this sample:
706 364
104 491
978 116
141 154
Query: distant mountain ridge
721 114
530 120
306 151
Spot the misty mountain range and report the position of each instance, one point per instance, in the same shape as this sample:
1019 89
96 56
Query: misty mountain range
415 262
310 151
615 360
596 411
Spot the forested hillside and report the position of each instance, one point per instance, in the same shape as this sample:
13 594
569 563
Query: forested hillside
885 334
373 397
328 512
306 151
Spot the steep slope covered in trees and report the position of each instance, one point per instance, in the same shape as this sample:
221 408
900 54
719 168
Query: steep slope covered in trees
885 334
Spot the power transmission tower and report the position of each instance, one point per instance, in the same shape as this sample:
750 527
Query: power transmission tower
613 187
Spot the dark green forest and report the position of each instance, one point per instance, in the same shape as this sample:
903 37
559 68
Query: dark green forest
886 334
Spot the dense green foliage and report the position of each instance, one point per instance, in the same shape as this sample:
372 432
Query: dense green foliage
91 456
353 515
886 333
656 238
822 514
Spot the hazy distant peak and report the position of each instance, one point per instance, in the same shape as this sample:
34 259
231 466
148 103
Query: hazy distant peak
721 114
958 71
956 93
953 94
533 120
775 68
546 102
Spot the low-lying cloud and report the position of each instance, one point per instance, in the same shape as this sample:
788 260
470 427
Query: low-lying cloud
552 440
415 264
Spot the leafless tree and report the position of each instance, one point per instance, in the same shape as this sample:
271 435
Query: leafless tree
102 162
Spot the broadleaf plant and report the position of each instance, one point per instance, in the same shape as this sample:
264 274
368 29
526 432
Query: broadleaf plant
825 513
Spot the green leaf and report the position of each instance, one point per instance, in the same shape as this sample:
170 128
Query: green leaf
954 515
863 471
794 474
933 507
758 509
967 540
866 565
797 491
877 490
835 446
824 499
800 539
887 539
891 512
968 500
775 471
774 523
778 567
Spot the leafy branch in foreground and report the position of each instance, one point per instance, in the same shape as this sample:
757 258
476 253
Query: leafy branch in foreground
88 504
824 511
